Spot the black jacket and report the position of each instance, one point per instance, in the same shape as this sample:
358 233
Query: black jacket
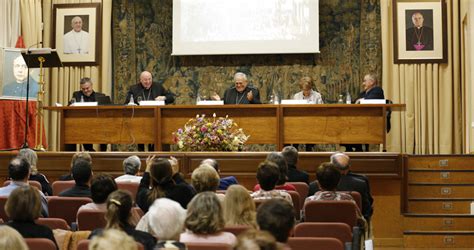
373 93
155 90
231 96
92 98
295 175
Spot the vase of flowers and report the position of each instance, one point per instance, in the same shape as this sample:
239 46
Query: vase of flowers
210 134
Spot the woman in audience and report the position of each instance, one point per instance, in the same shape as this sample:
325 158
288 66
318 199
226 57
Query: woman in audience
205 178
239 208
32 158
160 180
165 221
102 185
113 239
23 207
254 239
119 205
267 177
205 221
279 160
11 239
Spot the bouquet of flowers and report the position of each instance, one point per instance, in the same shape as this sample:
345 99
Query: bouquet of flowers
210 134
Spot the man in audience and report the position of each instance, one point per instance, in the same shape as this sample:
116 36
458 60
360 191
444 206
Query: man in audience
82 174
350 181
224 182
131 167
19 173
276 216
78 155
290 154
241 93
268 176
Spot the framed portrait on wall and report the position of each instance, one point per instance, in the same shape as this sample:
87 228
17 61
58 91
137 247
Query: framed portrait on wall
419 31
77 33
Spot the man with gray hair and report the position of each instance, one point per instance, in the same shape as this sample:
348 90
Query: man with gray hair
224 182
290 154
241 93
350 182
131 167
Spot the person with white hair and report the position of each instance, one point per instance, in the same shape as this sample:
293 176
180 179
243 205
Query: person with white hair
32 158
76 41
240 93
131 168
165 221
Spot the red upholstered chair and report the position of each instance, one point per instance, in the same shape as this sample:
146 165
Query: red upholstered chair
208 246
340 231
84 245
35 184
53 223
3 214
236 230
295 197
40 243
304 243
59 186
90 220
132 187
66 207
331 211
357 198
302 188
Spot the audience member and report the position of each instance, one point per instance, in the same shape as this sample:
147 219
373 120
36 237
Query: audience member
162 180
102 185
224 182
79 155
205 178
280 161
276 216
290 154
205 221
11 239
131 167
32 158
349 182
239 208
113 239
165 221
253 239
82 174
328 177
19 172
23 207
267 177
119 205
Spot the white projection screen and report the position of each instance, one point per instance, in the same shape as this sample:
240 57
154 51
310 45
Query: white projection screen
225 27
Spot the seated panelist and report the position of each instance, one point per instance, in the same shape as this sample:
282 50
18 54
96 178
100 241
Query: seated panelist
307 92
147 90
241 93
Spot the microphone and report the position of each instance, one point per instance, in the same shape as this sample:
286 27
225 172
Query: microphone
29 48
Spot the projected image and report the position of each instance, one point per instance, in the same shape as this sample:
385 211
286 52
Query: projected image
249 20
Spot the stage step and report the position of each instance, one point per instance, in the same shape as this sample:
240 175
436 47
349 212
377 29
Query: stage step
438 222
438 239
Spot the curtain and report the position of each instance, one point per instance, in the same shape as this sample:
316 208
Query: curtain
10 22
431 122
62 82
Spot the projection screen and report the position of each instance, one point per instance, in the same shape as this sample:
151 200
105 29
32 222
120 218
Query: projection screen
217 27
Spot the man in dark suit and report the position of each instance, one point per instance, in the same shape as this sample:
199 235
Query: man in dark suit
240 93
82 174
419 37
290 154
350 182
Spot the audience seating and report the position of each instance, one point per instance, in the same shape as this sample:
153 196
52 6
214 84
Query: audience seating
340 231
53 223
208 246
331 211
138 211
90 220
357 198
84 245
40 243
302 188
66 207
35 184
132 187
3 214
236 230
59 186
316 243
295 197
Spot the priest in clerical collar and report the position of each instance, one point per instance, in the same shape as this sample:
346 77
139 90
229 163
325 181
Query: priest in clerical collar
419 37
240 93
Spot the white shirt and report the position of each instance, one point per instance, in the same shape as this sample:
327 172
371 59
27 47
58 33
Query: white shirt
76 42
313 98
128 178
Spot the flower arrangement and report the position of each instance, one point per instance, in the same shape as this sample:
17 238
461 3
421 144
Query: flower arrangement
210 134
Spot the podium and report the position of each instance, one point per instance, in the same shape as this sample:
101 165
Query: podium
38 58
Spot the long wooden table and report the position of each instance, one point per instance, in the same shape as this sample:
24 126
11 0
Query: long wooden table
266 124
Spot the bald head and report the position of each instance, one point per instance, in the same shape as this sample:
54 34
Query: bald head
341 161
146 80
